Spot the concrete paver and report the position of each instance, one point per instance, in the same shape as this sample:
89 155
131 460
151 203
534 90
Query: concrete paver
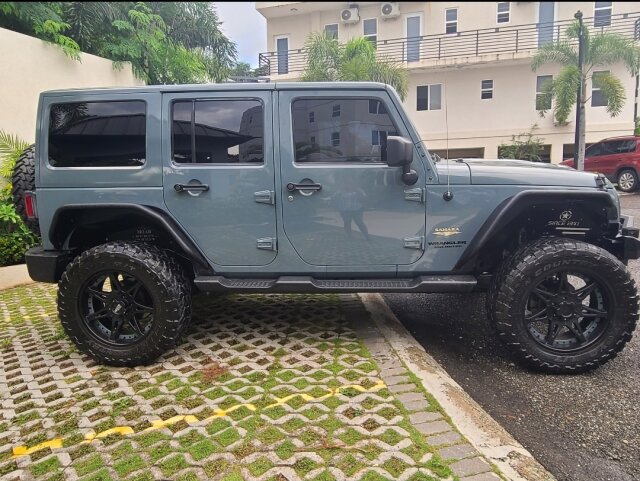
282 387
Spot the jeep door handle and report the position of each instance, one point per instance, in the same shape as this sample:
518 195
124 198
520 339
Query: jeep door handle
191 187
291 187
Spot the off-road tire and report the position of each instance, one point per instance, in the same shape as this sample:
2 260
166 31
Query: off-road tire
161 275
634 186
22 180
521 271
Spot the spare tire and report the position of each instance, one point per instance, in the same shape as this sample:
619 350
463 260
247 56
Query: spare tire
23 180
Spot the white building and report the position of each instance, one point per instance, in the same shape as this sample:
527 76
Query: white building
469 63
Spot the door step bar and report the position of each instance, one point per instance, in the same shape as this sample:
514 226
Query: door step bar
305 284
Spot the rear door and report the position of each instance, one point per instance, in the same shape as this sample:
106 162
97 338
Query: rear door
357 211
219 173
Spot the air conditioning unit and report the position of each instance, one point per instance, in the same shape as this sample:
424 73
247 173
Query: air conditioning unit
350 15
390 10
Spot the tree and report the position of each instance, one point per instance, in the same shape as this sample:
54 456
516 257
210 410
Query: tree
601 50
327 60
242 69
524 146
166 42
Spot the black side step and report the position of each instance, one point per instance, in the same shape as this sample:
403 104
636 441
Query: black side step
305 284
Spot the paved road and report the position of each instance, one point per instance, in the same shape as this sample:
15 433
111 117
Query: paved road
581 428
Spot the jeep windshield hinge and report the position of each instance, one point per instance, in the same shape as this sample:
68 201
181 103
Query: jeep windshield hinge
415 195
267 244
414 242
265 197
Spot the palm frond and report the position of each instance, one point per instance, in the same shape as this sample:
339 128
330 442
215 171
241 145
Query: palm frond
612 89
323 57
393 74
562 52
609 48
11 148
565 91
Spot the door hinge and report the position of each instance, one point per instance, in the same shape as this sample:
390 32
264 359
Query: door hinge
265 197
415 195
414 242
267 244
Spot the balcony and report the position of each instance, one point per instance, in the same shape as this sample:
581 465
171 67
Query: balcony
472 46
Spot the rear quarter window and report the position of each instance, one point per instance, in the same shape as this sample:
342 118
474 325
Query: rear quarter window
97 134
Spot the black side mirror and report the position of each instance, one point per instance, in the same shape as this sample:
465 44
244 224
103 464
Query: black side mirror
398 152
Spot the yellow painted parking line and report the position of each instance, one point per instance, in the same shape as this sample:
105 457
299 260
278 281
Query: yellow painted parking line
191 419
24 451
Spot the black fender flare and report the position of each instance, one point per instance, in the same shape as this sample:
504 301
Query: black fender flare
509 209
154 214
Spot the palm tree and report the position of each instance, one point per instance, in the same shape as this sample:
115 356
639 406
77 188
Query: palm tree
327 60
600 51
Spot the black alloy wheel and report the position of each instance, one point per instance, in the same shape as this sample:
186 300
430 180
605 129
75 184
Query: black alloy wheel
116 308
567 311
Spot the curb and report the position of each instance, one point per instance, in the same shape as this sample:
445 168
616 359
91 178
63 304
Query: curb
480 429
13 276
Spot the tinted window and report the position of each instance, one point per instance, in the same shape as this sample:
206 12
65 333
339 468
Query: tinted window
218 131
357 135
97 134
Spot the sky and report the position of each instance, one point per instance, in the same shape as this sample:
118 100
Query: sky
242 23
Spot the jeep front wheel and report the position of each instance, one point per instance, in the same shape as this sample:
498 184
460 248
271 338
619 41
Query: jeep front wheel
565 306
124 304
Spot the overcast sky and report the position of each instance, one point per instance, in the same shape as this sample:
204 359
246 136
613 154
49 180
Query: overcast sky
242 23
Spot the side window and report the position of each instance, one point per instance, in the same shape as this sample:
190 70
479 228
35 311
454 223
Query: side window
358 135
595 150
97 134
217 131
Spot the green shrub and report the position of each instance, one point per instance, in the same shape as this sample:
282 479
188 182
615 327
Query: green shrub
15 236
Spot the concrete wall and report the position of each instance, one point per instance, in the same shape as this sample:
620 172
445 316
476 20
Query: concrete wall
31 66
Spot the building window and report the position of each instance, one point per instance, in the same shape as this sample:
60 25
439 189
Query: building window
598 98
504 12
321 140
376 107
451 20
312 117
331 30
370 29
602 14
429 97
543 99
98 134
486 89
336 111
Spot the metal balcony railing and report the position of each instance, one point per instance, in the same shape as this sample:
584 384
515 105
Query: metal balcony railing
471 43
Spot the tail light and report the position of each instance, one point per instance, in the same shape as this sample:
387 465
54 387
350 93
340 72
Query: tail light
30 207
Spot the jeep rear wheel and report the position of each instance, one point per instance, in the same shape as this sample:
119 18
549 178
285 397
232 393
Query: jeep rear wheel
564 306
124 304
24 180
627 180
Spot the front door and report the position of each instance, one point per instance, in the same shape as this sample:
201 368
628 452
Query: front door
219 173
355 210
546 17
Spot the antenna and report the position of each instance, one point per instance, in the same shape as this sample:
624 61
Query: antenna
448 195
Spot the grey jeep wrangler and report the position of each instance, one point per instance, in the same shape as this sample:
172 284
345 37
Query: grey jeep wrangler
145 195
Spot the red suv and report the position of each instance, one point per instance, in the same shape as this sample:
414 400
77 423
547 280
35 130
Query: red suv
618 158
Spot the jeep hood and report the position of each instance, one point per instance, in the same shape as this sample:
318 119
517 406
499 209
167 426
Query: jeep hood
506 171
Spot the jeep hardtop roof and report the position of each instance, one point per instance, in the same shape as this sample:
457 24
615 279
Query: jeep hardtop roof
223 87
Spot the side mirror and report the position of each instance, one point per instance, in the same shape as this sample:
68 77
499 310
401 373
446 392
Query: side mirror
399 153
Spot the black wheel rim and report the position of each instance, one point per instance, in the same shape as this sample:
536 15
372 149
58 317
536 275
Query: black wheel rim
567 311
117 308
